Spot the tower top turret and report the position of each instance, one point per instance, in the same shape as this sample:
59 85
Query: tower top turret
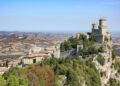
103 19
103 23
94 26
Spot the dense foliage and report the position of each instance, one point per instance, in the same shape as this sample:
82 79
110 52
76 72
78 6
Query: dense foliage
88 45
54 72
2 81
101 59
71 43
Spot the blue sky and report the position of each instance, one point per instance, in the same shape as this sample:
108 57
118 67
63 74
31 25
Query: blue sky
57 15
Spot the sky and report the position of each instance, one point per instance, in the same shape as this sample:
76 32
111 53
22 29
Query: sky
57 15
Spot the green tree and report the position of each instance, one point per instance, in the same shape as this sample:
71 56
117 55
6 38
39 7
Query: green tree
2 81
16 81
92 75
62 48
58 83
67 45
72 78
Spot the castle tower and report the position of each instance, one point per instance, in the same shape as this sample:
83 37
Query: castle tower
94 26
101 34
103 26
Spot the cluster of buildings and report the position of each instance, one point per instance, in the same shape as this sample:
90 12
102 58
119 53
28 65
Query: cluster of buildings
35 55
6 64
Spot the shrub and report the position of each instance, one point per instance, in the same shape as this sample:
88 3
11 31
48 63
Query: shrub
101 59
2 81
114 82
92 75
113 55
101 49
117 65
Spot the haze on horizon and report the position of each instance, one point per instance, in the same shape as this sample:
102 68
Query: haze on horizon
57 15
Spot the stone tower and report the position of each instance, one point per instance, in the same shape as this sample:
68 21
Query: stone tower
103 26
101 33
94 26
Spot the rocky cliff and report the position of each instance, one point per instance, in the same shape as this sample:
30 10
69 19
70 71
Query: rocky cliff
104 62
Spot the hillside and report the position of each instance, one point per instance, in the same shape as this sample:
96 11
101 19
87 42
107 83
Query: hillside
94 65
